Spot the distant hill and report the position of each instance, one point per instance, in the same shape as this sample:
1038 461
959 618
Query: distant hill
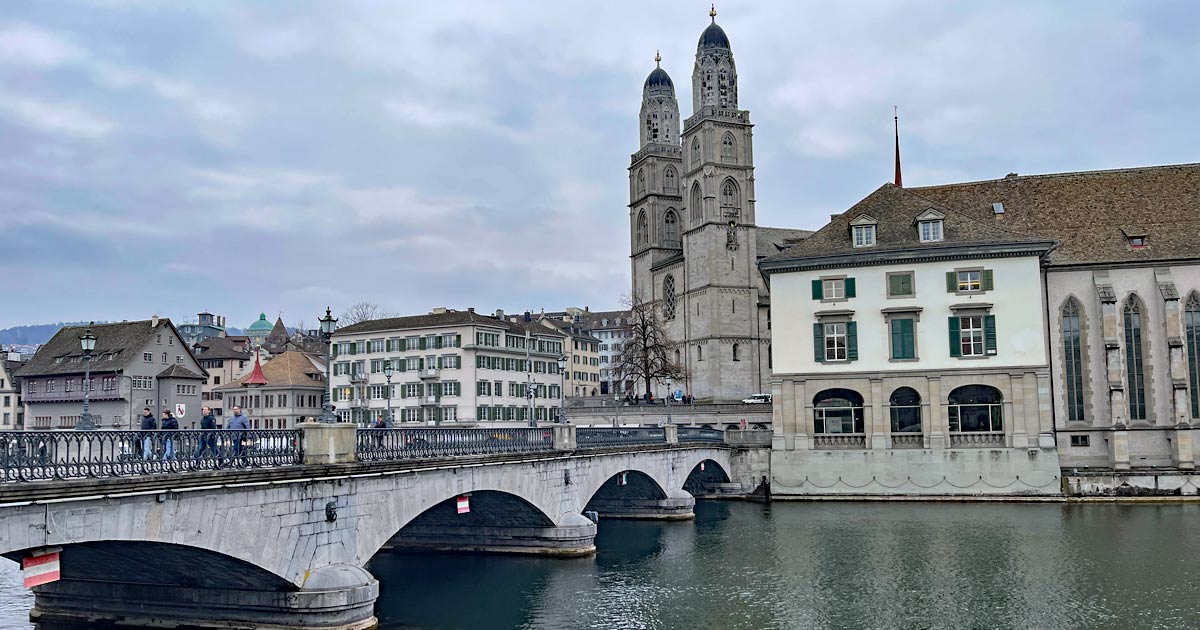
38 334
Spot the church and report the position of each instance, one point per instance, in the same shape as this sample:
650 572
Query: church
694 239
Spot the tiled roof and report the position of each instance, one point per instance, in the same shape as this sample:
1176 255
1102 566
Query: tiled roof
770 241
221 348
896 210
595 320
1087 211
291 368
178 371
576 330
449 318
125 338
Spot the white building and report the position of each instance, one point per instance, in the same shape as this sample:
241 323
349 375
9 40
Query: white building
12 413
909 355
450 366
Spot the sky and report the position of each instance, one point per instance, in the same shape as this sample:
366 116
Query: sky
280 157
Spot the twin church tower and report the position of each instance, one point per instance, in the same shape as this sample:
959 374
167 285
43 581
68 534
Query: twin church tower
694 241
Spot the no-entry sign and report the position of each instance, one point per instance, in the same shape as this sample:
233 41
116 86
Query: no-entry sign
41 568
464 504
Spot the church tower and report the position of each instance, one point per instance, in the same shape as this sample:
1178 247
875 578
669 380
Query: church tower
655 175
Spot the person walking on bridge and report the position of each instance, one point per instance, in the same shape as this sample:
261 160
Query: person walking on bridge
208 439
169 423
148 424
239 424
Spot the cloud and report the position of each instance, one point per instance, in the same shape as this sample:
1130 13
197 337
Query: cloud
63 118
28 45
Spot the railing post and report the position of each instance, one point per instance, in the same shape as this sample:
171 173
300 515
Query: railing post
564 437
672 433
329 443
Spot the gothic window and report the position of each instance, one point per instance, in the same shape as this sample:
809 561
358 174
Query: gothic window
1072 338
669 297
728 148
697 204
1191 315
695 152
642 232
735 353
1134 360
670 181
641 182
671 229
730 199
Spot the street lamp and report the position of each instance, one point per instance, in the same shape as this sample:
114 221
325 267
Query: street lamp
328 325
670 395
529 391
87 341
388 372
562 388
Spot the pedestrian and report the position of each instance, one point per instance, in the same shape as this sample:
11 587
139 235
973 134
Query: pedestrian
379 424
208 438
169 423
148 424
238 425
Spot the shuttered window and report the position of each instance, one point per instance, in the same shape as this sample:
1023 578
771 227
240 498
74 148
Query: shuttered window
904 345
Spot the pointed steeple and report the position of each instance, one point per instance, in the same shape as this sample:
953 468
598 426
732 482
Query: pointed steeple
256 376
896 119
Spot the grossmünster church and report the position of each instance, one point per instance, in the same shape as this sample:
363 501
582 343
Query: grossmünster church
693 233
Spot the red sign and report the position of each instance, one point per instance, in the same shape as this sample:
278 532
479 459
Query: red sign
41 569
464 504
743 423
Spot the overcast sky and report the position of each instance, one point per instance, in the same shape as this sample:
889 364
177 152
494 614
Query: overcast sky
282 156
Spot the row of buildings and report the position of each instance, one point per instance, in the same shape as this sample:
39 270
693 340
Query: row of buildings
994 336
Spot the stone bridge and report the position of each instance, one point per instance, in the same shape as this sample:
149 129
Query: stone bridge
286 546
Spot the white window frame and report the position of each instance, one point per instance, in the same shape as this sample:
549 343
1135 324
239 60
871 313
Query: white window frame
835 331
970 280
971 335
864 235
931 230
833 288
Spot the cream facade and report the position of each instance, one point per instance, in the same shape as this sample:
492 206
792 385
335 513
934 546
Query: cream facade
12 413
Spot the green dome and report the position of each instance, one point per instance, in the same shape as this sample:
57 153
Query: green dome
262 324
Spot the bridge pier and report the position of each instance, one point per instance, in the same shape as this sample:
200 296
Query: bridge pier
334 598
677 506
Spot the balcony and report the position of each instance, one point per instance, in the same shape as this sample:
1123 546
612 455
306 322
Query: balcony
428 373
430 400
988 439
840 441
72 396
358 377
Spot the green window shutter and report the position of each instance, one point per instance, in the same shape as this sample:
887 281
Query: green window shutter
909 339
817 291
403 365
850 287
897 339
457 341
457 362
955 340
403 392
951 281
818 342
439 363
353 348
987 279
903 342
989 334
420 389
421 344
333 349
894 285
852 341
420 364
437 342
403 344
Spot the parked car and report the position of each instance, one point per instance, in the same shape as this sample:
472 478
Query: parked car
757 399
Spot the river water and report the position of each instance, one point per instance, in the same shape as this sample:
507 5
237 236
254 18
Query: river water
815 565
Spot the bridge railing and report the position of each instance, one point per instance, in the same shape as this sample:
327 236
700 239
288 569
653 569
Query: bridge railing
596 437
36 455
692 435
398 444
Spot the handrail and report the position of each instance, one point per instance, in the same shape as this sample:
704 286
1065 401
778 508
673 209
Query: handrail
598 437
400 444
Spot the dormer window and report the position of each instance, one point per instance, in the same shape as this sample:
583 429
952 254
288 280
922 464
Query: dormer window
1135 236
863 231
931 231
1137 242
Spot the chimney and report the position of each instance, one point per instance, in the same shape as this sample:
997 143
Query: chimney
470 309
528 317
500 313
154 321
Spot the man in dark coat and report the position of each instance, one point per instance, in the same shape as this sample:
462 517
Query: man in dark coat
148 424
208 439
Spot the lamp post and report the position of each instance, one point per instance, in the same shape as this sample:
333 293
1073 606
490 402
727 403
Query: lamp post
388 372
562 388
670 395
87 341
328 325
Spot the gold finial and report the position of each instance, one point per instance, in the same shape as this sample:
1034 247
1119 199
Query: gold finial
712 13
657 58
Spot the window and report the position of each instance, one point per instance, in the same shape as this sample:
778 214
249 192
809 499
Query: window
837 411
975 408
728 148
864 235
671 229
735 352
903 338
147 357
1134 360
179 359
695 152
931 231
1191 317
670 182
1080 441
641 182
697 205
900 284
905 404
699 353
730 199
969 280
1137 242
835 341
669 297
1072 338
972 335
642 231
164 358
830 289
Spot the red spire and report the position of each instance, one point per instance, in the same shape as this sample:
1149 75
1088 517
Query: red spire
256 377
899 180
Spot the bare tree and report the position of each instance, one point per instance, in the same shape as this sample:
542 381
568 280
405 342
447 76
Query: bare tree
362 312
646 353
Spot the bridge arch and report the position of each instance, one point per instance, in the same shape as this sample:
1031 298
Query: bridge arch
704 477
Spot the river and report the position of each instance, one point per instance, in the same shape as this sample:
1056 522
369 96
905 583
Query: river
815 565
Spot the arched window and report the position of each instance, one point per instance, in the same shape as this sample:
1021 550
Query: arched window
669 297
1191 320
838 411
735 352
695 152
976 408
730 199
676 356
728 148
905 405
1072 338
1135 368
671 228
642 232
670 181
697 203
641 182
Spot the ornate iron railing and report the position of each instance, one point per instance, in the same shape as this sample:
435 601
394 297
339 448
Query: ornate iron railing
840 440
597 437
376 445
36 455
701 434
908 440
977 440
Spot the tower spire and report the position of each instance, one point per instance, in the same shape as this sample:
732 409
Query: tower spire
712 13
657 59
896 119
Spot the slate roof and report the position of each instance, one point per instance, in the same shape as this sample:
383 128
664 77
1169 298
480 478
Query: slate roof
577 330
896 210
770 241
221 348
125 338
595 320
449 318
178 371
290 369
1091 213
